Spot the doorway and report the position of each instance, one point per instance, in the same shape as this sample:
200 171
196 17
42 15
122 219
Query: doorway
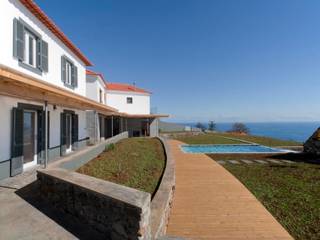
29 138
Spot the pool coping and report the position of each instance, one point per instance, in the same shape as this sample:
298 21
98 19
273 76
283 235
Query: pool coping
280 151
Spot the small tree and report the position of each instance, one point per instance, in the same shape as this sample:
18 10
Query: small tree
200 126
212 126
240 128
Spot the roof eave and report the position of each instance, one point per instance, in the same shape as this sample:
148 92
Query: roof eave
45 20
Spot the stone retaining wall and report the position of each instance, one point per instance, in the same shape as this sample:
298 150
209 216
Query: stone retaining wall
162 200
116 211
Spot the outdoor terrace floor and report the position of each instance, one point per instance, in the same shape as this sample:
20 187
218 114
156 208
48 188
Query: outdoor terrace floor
210 203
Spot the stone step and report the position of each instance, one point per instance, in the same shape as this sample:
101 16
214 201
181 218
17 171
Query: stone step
274 161
261 161
234 161
247 161
221 162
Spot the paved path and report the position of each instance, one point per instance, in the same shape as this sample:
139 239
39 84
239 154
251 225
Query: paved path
24 216
210 203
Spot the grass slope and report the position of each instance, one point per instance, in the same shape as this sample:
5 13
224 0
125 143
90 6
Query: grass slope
267 141
290 192
134 162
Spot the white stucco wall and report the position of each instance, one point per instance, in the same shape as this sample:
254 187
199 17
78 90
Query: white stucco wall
7 103
118 100
10 9
93 85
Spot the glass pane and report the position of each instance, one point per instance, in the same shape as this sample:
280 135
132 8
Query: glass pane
31 50
28 136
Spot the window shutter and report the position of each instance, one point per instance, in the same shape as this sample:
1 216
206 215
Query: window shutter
44 56
63 69
41 136
75 130
74 76
17 142
38 48
18 40
63 134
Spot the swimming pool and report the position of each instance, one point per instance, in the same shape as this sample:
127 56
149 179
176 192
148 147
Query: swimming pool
230 148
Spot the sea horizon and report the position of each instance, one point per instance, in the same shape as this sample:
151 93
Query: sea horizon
291 130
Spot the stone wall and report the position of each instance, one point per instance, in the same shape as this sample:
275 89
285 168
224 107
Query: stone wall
312 145
162 200
116 211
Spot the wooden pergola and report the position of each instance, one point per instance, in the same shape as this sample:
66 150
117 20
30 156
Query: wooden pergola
14 84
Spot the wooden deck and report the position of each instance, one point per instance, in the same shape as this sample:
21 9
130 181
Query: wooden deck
210 203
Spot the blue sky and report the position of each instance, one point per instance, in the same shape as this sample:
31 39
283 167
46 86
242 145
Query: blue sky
248 60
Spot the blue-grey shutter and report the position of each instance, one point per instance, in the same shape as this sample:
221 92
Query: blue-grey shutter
44 56
63 69
41 136
38 62
17 142
63 134
74 76
18 40
75 130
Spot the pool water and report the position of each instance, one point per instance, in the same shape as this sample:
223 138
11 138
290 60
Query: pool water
230 148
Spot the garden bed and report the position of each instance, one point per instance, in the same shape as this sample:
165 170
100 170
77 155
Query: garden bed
133 162
290 191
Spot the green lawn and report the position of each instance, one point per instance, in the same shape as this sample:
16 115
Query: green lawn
133 162
267 141
222 138
291 192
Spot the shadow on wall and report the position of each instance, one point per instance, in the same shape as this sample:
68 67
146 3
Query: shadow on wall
30 193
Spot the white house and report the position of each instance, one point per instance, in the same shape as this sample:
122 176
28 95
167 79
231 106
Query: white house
128 98
96 87
133 104
42 73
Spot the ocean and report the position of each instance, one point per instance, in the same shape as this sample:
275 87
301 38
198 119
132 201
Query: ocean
297 131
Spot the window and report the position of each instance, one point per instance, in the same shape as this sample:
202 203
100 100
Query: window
30 50
129 100
69 72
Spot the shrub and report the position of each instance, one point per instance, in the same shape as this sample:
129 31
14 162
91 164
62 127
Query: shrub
109 147
200 126
212 126
239 128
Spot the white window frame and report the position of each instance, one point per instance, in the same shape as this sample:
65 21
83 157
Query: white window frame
27 36
68 73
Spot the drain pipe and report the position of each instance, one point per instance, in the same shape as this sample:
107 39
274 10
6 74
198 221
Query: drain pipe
46 135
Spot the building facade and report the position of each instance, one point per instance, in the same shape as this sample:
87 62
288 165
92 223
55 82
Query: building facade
51 105
42 90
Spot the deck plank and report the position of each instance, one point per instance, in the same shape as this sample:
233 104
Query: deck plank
210 203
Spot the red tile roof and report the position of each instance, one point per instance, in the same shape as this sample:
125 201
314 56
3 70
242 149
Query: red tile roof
42 17
125 88
89 72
